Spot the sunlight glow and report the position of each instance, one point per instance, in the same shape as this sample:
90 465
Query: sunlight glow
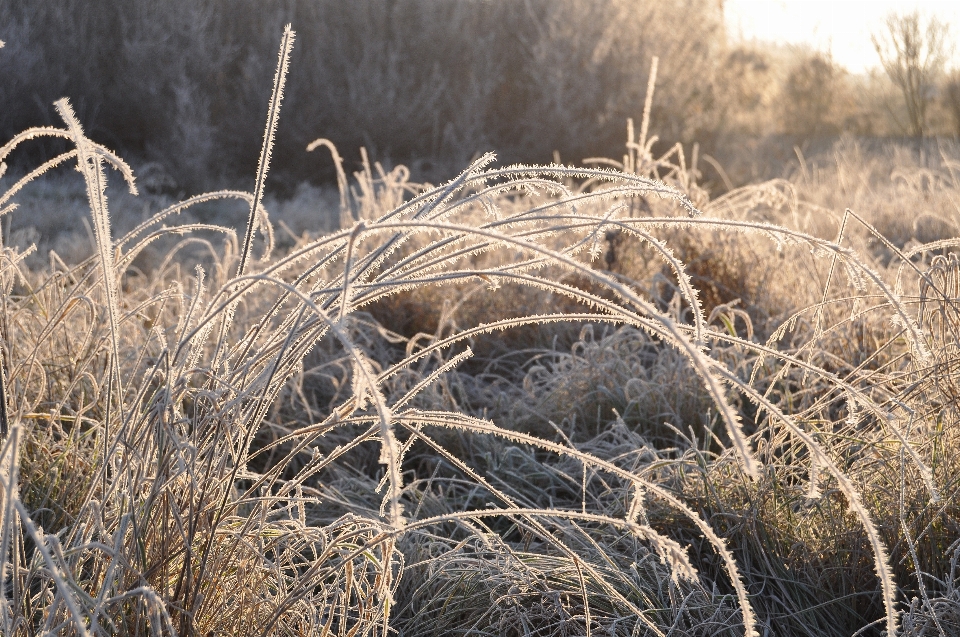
842 27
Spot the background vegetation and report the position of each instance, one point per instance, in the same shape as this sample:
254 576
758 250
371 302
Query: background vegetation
408 79
432 84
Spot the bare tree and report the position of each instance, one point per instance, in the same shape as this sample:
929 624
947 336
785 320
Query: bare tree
913 52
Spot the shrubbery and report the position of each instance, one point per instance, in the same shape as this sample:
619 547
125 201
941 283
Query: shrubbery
178 82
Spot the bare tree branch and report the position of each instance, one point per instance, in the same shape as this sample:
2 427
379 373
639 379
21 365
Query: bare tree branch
913 52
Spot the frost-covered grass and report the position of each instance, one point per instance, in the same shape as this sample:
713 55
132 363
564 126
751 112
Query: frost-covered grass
533 400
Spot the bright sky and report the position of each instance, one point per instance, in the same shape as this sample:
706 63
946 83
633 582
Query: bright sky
840 26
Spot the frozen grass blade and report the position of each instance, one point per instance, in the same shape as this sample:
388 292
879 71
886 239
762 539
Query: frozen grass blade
9 460
648 107
90 158
343 187
4 414
269 133
263 166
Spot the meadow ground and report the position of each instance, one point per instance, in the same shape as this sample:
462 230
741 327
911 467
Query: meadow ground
533 400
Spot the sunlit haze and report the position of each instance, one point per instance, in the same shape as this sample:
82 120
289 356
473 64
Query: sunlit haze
842 27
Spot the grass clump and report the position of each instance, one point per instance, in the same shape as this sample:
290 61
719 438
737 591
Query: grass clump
263 447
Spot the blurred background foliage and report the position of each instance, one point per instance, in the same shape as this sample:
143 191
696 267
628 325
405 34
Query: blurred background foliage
177 86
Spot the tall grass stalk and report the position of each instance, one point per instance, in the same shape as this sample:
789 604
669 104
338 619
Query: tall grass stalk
263 165
90 160
269 133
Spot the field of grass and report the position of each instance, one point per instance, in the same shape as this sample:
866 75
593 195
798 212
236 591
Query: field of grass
532 400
